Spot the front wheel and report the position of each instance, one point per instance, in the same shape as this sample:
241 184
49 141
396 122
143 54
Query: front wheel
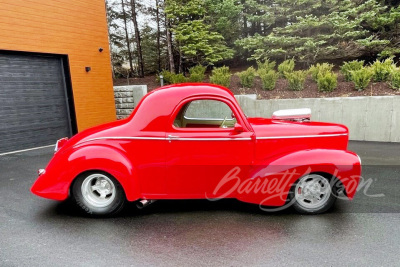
313 194
98 194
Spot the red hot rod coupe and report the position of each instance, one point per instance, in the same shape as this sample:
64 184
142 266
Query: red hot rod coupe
192 141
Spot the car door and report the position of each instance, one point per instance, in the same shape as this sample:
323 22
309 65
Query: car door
207 139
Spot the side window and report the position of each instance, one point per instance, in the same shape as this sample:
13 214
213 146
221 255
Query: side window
205 114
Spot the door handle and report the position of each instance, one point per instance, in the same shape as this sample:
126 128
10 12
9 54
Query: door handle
171 137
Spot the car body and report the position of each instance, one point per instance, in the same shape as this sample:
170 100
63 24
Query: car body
163 151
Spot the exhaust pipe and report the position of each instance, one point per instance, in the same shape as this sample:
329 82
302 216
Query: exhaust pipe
144 203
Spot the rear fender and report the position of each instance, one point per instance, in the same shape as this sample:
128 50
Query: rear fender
271 181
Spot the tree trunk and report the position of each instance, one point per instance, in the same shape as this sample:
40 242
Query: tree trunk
253 28
245 29
127 38
137 38
169 45
180 69
158 35
110 43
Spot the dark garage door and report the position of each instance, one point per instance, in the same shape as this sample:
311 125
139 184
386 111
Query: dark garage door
33 109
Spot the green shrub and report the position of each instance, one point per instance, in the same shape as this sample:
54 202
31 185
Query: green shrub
350 66
247 77
268 78
361 78
178 78
221 76
317 69
267 64
395 79
327 82
197 73
167 77
296 79
286 66
381 70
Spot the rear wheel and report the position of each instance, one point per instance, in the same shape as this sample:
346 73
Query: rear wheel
98 194
313 194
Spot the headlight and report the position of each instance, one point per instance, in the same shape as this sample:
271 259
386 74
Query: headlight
60 143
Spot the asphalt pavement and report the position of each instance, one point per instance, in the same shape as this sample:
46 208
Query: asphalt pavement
363 232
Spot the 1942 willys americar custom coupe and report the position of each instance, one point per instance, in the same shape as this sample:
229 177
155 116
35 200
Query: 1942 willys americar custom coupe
192 141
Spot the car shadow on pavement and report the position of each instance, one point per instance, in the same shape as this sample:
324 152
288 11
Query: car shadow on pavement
68 208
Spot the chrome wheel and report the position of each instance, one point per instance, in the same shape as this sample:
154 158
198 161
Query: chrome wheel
312 191
98 190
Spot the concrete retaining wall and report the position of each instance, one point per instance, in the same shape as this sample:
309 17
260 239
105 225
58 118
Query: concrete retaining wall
127 97
369 118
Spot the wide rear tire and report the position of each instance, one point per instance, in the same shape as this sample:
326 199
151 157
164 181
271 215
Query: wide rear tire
98 194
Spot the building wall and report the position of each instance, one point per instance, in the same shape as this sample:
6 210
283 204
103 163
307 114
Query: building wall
73 28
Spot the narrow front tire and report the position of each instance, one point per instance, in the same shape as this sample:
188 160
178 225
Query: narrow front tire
313 194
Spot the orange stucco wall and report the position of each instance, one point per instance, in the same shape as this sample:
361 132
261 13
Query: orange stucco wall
76 28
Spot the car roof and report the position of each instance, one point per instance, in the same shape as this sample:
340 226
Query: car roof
190 89
155 108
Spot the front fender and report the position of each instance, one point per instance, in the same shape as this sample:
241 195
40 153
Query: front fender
270 181
67 165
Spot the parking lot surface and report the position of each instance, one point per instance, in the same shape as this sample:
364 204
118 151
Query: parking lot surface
41 232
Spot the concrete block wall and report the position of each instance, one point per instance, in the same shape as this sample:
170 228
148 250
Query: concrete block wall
127 97
369 118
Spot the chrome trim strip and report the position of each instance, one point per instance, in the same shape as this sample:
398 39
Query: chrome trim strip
299 136
206 119
127 138
211 139
169 138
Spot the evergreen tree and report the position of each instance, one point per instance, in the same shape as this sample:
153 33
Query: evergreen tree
196 42
119 41
312 30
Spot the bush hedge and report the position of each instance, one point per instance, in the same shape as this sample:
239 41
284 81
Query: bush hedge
296 79
395 79
381 70
361 78
167 77
318 69
286 66
221 76
268 78
196 73
266 65
349 66
178 78
327 82
247 77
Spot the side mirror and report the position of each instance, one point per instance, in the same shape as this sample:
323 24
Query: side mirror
238 128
